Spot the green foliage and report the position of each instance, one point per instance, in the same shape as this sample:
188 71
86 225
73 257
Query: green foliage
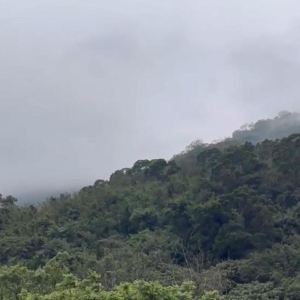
256 291
72 289
55 282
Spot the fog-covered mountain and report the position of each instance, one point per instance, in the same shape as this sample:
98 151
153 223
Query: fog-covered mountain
284 124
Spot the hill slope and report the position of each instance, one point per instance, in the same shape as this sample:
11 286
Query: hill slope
230 221
283 125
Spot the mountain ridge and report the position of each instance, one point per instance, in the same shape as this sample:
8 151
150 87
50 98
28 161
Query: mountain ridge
284 124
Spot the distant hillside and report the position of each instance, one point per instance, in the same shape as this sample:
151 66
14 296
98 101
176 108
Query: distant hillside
283 125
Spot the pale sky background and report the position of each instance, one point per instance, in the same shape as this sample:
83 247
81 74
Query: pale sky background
88 87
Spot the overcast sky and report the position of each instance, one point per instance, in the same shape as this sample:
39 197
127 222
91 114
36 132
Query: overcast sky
88 87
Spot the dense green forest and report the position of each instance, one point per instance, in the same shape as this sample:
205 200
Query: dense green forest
218 221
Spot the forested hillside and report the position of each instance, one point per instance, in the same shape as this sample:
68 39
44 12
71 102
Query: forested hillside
220 220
